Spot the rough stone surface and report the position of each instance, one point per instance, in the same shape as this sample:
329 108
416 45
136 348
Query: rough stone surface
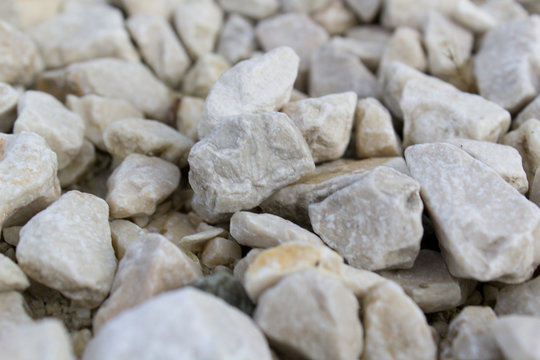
204 74
246 159
517 336
123 233
366 10
188 116
526 140
481 236
11 275
68 247
186 324
311 300
237 39
256 85
257 9
405 46
79 166
9 98
521 299
139 184
531 111
220 251
335 18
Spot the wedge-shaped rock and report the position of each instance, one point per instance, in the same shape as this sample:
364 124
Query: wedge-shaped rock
68 247
393 324
314 301
256 85
531 111
204 74
526 140
517 336
405 46
152 265
82 32
28 177
482 236
257 9
522 299
505 68
9 98
325 123
375 223
237 39
148 137
185 323
11 275
412 13
336 18
246 159
429 283
266 231
62 129
79 166
139 184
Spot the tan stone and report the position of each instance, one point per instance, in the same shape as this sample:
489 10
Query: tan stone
9 98
473 17
161 8
359 281
405 46
195 242
79 166
237 39
531 111
220 251
11 276
517 336
521 299
412 13
188 115
202 76
304 6
335 18
207 214
24 13
526 140
257 9
173 225
123 233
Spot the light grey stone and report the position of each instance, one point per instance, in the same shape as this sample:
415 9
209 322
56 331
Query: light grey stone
163 8
521 299
526 140
304 6
405 46
335 18
531 111
203 74
9 98
365 9
473 17
237 39
359 281
517 336
371 42
257 9
79 166
188 115
11 276
207 214
504 10
220 252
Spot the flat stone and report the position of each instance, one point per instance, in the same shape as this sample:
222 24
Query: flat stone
188 115
11 276
9 98
374 134
371 42
148 137
150 266
311 300
257 9
366 10
521 299
195 242
482 237
335 18
393 324
72 254
531 111
139 184
185 323
204 74
245 88
359 281
82 32
430 285
517 336
237 39
246 159
412 13
14 312
79 166
325 123
526 140
28 176
123 233
23 14
266 231
198 23
20 60
243 264
405 46
534 190
220 251
159 47
272 265
375 223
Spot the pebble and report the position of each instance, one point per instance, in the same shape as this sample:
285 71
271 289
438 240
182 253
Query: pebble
247 158
14 312
123 233
360 281
11 276
257 9
412 13
220 251
304 6
405 46
366 10
195 242
139 184
311 315
521 299
9 98
473 17
188 115
526 140
243 264
203 74
22 14
237 39
11 235
517 336
79 166
371 41
185 324
335 18
161 8
531 111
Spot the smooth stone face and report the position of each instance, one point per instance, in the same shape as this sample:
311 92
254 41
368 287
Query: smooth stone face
325 123
371 42
151 265
531 111
405 46
185 324
473 17
153 34
22 13
266 231
196 242
11 276
429 283
246 159
517 336
72 254
28 176
243 264
260 84
481 236
204 74
14 312
521 299
336 18
9 97
62 129
220 251
188 116
257 9
207 214
11 235
79 166
365 9
526 140
237 39
393 324
123 233
311 315
359 281
139 184
412 13
375 223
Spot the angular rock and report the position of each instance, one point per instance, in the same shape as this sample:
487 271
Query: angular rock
325 123
243 264
220 251
72 254
304 6
14 312
393 324
161 8
473 17
311 315
517 336
196 242
526 140
257 85
173 225
11 235
359 281
531 111
11 276
185 323
412 13
123 233
366 10
22 13
79 166
481 236
257 9
521 299
139 184
205 213
188 116
371 42
150 266
405 46
9 98
335 18
237 39
204 74
246 159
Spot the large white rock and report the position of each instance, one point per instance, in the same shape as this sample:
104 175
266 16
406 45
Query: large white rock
186 324
405 46
9 97
256 85
247 158
521 299
517 336
526 140
257 9
237 39
68 247
11 275
483 237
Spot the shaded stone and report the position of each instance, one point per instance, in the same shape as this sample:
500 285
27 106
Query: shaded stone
412 13
371 41
257 9
220 252
405 46
531 111
11 276
335 18
366 10
202 76
526 140
14 312
517 336
123 233
521 299
188 116
79 166
359 281
9 98
237 39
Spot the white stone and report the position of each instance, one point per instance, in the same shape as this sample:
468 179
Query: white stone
159 47
186 324
24 13
526 140
304 6
195 242
531 111
198 23
371 41
173 225
473 17
139 184
405 46
123 233
311 315
521 299
28 177
335 18
68 247
11 276
517 336
98 112
188 115
412 13
148 137
207 214
82 32
161 8
220 252
14 312
9 98
365 9
244 263
504 10
483 237
374 134
204 74
237 39
151 266
247 158
375 223
359 281
79 166
256 85
257 9
393 324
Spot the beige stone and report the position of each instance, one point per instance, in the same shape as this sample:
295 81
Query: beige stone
14 312
526 140
24 13
517 336
311 315
173 225
359 281
405 46
412 13
257 9
11 276
161 8
204 74
531 111
237 39
244 263
79 166
11 235
123 233
195 242
188 115
473 17
521 299
207 214
335 18
72 254
9 98
366 10
220 251
371 41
